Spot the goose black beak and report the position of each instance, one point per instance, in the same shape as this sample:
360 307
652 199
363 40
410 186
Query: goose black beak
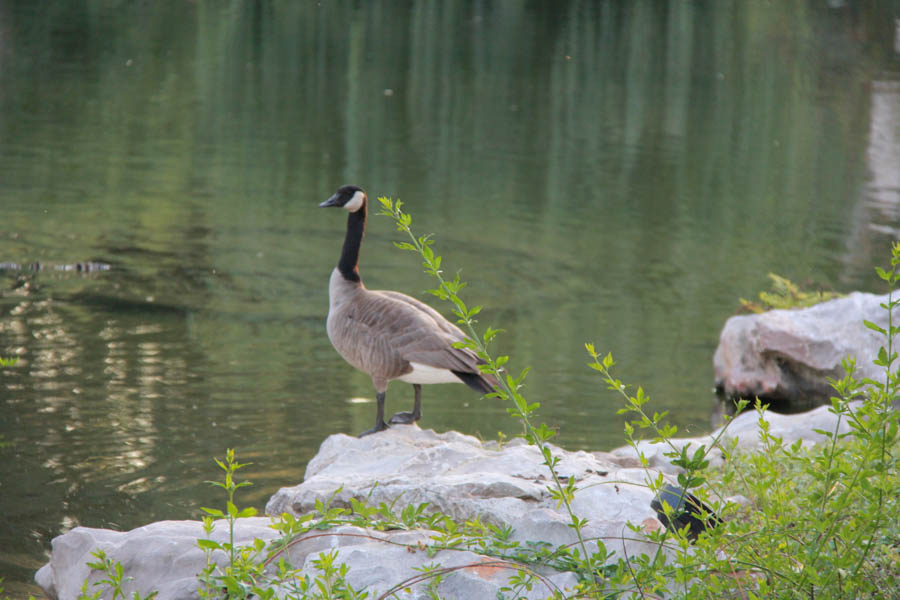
333 201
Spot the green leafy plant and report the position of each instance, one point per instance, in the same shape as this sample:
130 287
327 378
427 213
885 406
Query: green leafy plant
822 522
231 513
786 294
827 518
247 572
115 579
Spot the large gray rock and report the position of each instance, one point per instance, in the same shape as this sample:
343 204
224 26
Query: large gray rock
161 556
460 476
745 429
381 560
455 473
788 355
164 557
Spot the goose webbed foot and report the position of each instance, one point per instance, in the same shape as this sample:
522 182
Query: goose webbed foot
379 427
404 418
408 418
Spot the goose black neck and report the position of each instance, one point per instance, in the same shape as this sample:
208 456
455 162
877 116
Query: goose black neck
356 227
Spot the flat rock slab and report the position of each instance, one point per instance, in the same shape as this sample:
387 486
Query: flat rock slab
395 560
164 557
460 476
788 355
456 474
161 556
744 428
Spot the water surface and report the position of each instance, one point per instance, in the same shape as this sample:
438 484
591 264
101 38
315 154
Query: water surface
619 173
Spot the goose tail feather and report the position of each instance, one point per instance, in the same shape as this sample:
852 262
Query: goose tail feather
480 382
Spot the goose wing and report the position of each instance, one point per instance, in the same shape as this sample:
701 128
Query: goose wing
439 320
415 332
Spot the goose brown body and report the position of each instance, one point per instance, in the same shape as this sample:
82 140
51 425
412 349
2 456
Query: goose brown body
390 335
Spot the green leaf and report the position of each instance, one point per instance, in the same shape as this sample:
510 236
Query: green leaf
247 512
608 361
522 376
874 327
490 334
209 544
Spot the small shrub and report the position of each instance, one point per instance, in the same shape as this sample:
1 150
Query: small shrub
786 294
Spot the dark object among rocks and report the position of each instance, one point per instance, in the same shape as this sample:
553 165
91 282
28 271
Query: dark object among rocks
687 509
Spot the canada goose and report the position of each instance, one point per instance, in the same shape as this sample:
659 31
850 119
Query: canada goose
387 334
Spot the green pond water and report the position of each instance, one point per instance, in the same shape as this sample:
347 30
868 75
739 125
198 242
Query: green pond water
611 172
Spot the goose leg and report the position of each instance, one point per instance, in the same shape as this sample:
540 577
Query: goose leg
379 416
407 418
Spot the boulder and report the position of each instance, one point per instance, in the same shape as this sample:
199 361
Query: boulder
745 429
460 476
164 557
161 556
381 560
456 474
787 356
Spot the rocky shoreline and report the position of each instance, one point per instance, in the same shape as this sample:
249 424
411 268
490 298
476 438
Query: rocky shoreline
780 353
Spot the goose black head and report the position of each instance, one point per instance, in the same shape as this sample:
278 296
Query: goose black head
349 197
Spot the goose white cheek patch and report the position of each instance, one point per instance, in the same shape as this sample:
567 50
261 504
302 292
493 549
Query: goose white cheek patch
355 202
